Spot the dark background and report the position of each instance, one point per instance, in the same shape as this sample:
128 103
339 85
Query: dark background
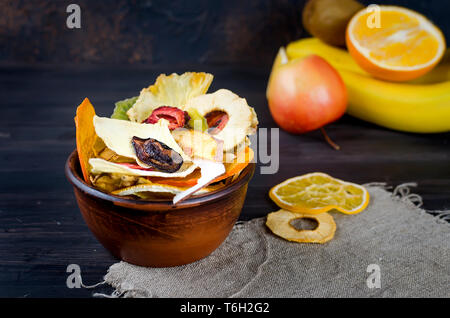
46 70
162 32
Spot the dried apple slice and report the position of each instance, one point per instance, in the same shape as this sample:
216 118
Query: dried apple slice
280 223
241 118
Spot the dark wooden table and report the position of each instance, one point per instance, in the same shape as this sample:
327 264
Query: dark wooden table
41 229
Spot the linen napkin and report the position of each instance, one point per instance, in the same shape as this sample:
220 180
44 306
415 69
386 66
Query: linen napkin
392 249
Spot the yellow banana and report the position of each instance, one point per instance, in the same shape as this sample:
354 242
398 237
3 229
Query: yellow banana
439 74
422 106
342 60
338 58
404 107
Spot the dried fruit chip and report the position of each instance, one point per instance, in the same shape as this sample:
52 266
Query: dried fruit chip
85 135
196 121
173 90
280 224
233 168
134 166
241 118
142 190
315 193
122 106
112 181
175 116
99 166
157 154
110 155
117 135
217 120
243 158
197 144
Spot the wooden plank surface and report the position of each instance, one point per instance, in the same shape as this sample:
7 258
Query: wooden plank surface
41 229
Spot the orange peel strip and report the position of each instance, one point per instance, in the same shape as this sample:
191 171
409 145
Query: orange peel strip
85 135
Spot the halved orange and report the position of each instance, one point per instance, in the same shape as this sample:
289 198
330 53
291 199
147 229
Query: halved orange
316 193
394 43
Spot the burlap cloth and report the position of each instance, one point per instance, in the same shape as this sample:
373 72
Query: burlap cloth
411 248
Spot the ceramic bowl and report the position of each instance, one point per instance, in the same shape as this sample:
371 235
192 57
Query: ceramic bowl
159 234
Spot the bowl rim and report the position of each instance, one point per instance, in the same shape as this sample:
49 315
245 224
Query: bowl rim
79 183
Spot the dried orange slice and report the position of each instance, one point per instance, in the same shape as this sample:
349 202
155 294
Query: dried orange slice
280 223
394 43
317 192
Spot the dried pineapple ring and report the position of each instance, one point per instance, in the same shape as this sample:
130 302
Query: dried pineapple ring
317 192
242 120
172 90
280 224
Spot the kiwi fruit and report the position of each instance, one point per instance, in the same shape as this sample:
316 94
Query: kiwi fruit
328 19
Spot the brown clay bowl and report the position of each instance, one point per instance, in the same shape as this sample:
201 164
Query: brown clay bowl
159 234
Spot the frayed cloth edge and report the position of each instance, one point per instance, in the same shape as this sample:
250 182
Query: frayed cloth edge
401 193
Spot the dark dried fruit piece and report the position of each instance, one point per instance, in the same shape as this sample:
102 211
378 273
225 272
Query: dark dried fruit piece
175 116
157 154
217 121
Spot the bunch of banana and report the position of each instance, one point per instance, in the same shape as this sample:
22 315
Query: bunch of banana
420 106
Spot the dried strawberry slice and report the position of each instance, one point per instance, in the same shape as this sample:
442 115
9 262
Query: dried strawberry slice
175 116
